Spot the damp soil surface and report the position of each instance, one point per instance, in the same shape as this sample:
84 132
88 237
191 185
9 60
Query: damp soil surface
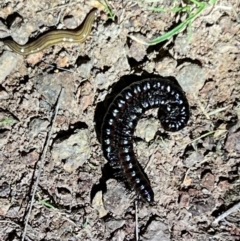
54 181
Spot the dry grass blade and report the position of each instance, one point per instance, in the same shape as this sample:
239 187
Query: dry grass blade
225 214
218 110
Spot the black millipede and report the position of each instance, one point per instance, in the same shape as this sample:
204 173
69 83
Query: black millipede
121 119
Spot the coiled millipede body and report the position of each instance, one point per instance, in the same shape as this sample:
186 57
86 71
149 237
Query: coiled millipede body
122 117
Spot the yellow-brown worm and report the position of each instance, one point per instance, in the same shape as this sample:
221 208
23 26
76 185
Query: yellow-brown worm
78 35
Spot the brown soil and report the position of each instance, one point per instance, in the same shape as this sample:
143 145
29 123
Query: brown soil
194 173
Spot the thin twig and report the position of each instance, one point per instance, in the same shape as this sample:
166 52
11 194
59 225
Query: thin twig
67 70
42 163
225 214
136 220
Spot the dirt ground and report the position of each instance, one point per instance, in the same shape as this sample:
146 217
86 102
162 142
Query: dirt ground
53 183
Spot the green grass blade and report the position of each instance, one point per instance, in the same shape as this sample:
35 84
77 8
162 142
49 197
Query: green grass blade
179 27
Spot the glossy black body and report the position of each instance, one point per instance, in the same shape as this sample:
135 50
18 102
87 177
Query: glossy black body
121 119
